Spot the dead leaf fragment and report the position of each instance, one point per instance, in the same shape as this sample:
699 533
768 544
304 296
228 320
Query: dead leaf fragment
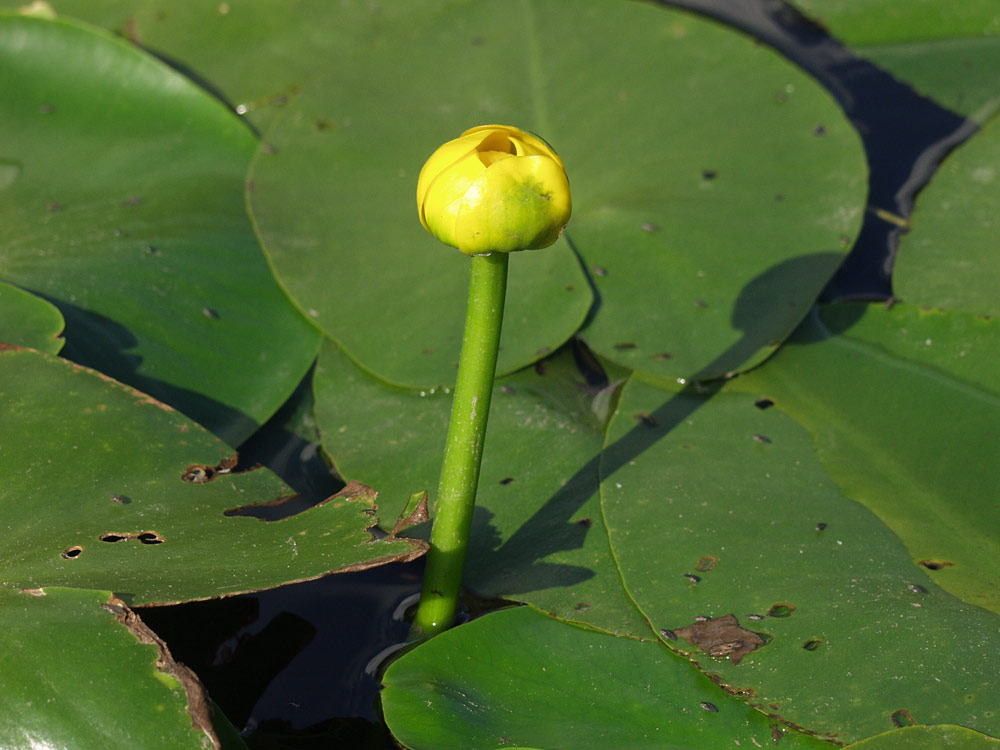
721 637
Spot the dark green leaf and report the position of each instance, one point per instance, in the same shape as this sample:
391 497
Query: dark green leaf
538 535
79 671
675 211
128 214
104 487
904 407
949 260
27 320
724 509
948 51
518 678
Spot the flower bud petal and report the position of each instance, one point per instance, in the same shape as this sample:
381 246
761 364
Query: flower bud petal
494 189
518 204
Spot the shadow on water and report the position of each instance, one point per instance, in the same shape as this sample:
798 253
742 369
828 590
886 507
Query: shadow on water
519 565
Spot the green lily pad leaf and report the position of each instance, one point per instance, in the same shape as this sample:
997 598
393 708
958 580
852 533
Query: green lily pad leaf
949 52
28 320
673 215
128 214
735 543
537 531
927 465
516 677
105 487
949 260
78 669
250 56
924 737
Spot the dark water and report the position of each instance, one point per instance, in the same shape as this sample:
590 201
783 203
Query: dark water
296 667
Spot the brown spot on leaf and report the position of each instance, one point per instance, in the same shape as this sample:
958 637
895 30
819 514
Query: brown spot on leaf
646 420
200 473
721 637
706 563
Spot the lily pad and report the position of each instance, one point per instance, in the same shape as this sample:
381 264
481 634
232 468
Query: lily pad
537 535
28 320
78 669
246 53
729 513
923 737
105 487
674 212
949 260
128 215
927 463
518 678
949 52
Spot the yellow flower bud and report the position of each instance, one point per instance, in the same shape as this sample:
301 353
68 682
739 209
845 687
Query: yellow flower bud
494 189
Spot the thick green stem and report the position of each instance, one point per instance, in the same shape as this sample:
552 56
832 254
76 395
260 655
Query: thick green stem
464 448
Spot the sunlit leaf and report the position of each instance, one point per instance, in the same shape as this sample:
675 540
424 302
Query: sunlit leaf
78 670
948 51
128 215
105 487
27 320
722 508
705 243
537 535
518 678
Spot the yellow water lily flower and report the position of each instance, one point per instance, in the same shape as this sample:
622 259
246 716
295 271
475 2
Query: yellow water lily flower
495 188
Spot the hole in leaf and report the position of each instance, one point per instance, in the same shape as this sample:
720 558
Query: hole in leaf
781 610
821 526
932 564
506 480
113 537
624 346
71 553
763 403
584 522
901 718
692 577
582 606
150 537
812 644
